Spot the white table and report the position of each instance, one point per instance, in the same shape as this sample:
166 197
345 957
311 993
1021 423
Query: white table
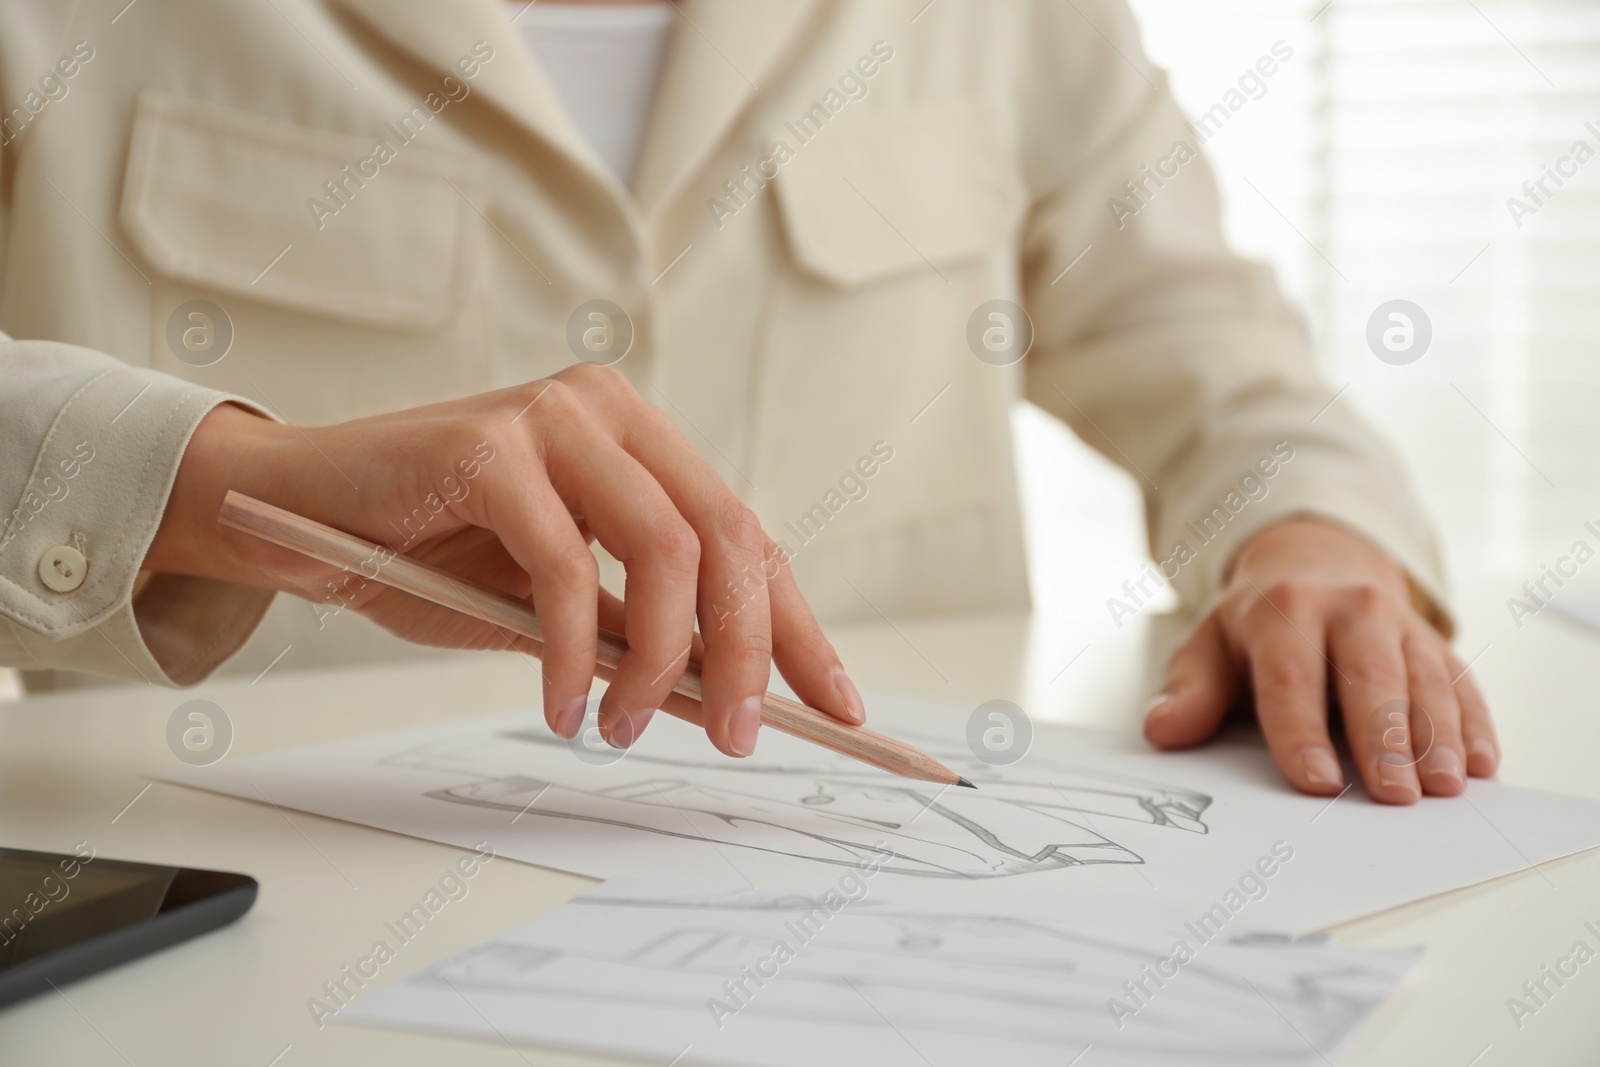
71 763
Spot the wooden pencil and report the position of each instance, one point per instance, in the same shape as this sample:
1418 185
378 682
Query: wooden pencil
383 565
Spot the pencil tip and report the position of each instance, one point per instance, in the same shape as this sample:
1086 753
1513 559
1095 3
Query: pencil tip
963 781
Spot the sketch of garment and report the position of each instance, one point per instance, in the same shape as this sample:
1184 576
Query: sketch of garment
831 811
1087 824
1036 988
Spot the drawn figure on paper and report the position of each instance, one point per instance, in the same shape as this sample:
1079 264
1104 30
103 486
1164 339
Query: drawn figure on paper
1017 980
827 809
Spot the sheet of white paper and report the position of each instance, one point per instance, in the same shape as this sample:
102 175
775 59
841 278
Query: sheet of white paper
1087 825
666 972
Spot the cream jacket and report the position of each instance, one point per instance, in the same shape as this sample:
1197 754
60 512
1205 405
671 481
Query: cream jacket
387 206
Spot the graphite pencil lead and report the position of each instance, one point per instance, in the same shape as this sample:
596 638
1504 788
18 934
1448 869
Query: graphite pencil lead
963 781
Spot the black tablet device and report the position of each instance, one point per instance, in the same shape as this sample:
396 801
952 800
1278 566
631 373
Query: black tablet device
66 916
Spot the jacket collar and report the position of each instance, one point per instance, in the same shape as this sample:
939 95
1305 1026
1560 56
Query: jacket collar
719 52
440 32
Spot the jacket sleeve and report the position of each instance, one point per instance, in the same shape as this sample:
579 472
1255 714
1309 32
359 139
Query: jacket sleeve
1181 362
90 449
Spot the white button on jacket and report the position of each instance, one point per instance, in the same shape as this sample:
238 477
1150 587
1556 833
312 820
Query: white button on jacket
63 568
828 196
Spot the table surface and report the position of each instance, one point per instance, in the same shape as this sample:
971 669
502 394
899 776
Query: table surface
73 768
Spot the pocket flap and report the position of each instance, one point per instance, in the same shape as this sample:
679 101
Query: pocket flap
224 199
897 191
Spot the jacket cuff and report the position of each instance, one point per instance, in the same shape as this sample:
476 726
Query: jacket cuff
1195 542
75 530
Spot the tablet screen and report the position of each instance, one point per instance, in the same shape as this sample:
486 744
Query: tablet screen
50 901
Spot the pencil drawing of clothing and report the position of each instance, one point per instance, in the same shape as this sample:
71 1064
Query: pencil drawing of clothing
830 814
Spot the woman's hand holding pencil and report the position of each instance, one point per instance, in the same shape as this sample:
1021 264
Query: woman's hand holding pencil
514 618
506 490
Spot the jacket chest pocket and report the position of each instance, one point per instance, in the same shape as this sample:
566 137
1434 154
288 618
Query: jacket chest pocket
901 192
332 273
897 227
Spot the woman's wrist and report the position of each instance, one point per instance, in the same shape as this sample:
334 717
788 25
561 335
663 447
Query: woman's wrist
231 448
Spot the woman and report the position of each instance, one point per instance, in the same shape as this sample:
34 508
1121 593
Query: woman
674 311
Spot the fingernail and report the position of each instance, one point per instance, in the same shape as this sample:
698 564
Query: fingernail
1160 705
569 720
742 729
1445 763
850 695
627 727
1321 768
1484 748
1397 774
